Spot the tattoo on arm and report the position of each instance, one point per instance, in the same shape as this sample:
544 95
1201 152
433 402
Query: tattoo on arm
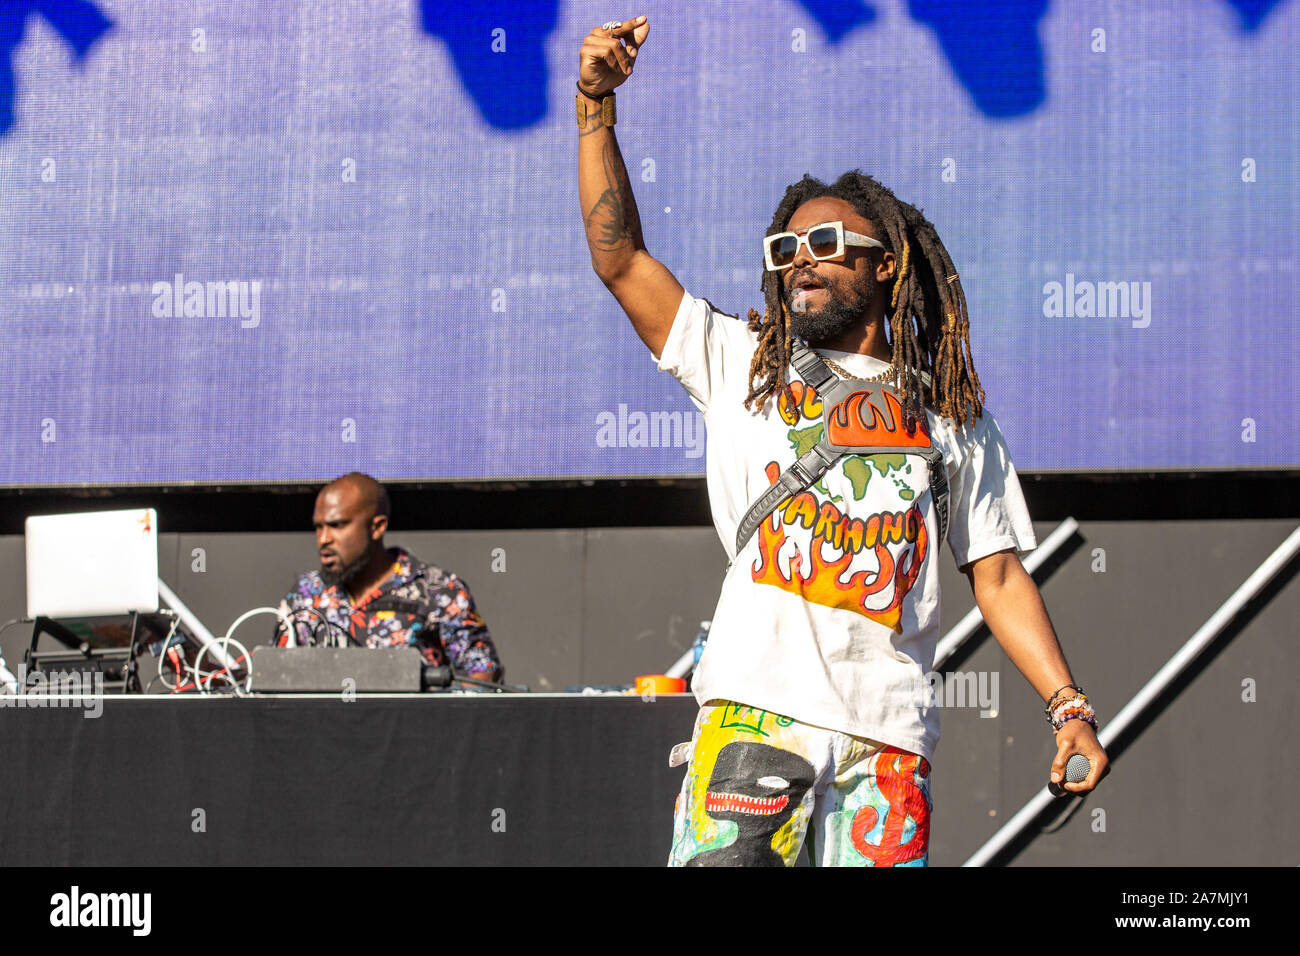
613 222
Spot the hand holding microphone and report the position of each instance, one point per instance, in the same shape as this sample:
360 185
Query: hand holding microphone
1080 762
1076 771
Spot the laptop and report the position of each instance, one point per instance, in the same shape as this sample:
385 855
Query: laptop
92 564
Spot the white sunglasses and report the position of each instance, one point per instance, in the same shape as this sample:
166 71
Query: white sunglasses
824 241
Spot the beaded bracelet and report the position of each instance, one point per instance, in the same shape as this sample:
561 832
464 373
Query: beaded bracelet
1077 701
1076 707
1087 718
1052 700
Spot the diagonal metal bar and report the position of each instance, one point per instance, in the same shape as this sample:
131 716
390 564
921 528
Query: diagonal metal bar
1153 688
969 624
196 627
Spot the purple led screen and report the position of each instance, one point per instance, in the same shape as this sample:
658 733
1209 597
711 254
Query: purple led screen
377 203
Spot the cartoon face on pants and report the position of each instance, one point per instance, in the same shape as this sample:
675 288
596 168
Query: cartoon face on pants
757 787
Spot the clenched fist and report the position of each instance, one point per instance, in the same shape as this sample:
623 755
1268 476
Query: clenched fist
608 55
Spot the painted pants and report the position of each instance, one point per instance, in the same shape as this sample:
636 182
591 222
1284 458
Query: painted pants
756 779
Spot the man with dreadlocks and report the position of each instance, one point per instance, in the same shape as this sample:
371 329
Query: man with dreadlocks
840 457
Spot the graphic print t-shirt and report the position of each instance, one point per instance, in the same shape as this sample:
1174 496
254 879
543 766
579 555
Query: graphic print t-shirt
830 614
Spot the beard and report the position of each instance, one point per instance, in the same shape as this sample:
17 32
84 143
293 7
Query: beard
837 316
346 573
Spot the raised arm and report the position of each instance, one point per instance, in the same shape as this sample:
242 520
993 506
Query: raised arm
643 286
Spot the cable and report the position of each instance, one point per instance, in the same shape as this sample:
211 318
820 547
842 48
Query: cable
1066 818
167 651
203 682
314 631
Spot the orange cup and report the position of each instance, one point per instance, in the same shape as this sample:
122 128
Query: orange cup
659 684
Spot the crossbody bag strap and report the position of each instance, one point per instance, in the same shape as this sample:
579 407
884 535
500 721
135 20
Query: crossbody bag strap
817 461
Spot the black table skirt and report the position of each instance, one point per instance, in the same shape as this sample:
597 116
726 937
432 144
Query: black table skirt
418 780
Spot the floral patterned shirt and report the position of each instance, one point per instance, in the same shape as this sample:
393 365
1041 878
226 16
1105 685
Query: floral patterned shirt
417 604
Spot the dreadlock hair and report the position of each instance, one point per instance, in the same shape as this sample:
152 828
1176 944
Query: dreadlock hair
929 328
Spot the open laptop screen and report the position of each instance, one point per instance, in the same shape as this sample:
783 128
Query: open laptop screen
92 564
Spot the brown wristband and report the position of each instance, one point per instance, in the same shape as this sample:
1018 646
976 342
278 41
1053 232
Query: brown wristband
608 115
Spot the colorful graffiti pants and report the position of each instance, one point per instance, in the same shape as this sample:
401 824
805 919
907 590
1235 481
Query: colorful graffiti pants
756 780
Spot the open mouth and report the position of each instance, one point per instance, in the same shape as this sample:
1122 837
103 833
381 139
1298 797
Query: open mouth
801 297
742 803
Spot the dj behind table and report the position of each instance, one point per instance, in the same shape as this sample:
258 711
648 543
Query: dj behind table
364 596
373 729
374 596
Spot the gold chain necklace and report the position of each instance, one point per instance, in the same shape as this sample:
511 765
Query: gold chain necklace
838 369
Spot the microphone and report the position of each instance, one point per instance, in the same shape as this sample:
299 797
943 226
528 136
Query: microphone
1077 769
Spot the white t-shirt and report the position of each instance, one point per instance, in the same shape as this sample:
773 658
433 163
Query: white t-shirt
841 635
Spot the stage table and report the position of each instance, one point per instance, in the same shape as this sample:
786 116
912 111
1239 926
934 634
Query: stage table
422 779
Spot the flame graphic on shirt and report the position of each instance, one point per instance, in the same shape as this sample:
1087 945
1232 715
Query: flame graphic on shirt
873 416
819 580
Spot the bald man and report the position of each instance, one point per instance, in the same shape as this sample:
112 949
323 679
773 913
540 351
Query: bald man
382 597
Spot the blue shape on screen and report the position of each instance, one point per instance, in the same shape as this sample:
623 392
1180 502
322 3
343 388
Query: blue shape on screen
508 87
79 22
992 46
838 17
1253 12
